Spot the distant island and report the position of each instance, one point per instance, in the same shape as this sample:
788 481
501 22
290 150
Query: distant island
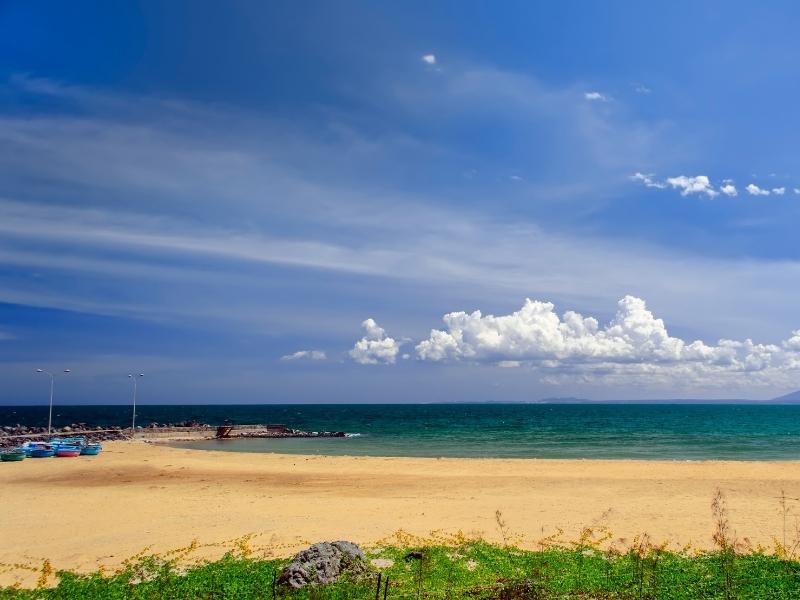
791 398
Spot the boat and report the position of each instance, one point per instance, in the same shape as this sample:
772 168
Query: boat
92 449
13 455
42 451
63 450
79 441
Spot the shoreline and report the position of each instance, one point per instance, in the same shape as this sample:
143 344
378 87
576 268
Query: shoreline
91 511
182 444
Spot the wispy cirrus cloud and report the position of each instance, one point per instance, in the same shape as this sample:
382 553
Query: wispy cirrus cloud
648 181
305 355
193 191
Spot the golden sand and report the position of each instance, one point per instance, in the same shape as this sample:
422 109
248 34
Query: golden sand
88 511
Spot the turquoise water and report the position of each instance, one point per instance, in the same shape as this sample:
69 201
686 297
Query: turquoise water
614 431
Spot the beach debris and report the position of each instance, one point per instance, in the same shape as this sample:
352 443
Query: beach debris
323 563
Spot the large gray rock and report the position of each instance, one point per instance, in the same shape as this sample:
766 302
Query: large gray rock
323 563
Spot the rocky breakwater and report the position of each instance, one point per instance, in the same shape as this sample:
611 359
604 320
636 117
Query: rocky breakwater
288 433
12 436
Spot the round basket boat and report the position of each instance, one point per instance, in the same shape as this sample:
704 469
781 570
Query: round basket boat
68 451
13 456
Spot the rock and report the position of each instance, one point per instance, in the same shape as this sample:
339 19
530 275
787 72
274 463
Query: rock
323 563
66 429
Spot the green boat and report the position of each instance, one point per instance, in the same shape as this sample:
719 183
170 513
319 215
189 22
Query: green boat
12 456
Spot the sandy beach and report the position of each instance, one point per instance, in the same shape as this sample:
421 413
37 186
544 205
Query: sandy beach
91 511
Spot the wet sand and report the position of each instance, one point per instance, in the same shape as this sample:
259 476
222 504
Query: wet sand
90 511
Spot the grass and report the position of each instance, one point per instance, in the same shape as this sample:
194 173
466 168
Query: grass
472 570
456 566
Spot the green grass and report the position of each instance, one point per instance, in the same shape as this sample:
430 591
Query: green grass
473 569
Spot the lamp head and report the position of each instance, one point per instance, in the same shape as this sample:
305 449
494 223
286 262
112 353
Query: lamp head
67 371
39 371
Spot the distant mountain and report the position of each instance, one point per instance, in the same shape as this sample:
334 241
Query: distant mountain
568 400
793 398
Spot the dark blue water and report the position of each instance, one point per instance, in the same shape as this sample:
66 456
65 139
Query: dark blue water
675 432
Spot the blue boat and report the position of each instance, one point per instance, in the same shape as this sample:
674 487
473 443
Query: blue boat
91 449
68 441
42 451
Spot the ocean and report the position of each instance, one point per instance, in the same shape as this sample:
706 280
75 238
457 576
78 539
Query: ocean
576 431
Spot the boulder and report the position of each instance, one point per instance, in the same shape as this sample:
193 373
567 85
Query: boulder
323 563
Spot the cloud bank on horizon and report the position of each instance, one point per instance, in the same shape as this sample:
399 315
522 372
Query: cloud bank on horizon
634 345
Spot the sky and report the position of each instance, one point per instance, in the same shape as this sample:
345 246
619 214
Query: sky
257 202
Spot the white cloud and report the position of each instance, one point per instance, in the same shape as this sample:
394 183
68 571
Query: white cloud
729 190
429 59
596 96
641 88
634 343
306 355
780 191
693 185
647 180
375 347
153 175
754 190
797 190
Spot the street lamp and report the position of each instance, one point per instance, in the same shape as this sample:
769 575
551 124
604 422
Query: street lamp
133 419
52 383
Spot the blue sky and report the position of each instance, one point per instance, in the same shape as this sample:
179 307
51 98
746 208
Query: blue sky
296 202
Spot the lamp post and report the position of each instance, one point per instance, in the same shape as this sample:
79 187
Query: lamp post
133 418
52 384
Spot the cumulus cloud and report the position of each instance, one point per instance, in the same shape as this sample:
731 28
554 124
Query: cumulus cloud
754 190
595 96
375 347
429 59
693 185
305 355
634 342
647 180
701 184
